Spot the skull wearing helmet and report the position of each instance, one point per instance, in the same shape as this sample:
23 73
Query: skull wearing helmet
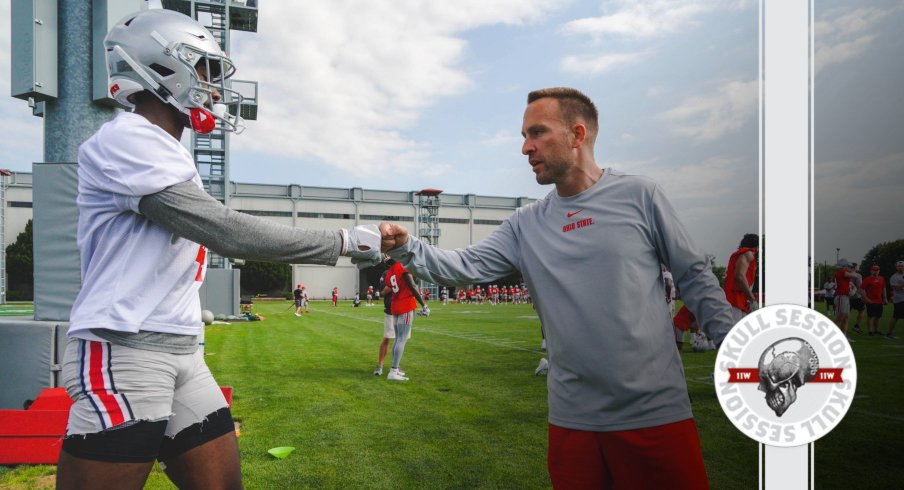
784 367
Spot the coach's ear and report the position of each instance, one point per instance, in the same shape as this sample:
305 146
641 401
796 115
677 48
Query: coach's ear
579 135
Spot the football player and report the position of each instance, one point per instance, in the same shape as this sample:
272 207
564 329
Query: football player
141 390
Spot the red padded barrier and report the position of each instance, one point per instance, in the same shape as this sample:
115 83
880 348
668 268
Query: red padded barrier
34 436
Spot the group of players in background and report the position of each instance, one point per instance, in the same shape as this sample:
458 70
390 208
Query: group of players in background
492 294
848 291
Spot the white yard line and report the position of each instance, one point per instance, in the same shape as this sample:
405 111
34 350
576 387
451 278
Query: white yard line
473 337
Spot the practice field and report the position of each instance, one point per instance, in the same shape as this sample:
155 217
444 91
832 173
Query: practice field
473 414
17 308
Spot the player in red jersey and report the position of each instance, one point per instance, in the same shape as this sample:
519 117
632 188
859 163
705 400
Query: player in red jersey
843 277
874 286
405 296
739 277
683 321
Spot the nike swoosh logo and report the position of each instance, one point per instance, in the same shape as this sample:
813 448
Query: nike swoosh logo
574 213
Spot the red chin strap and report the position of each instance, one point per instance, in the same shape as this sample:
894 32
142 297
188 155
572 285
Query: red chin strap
202 122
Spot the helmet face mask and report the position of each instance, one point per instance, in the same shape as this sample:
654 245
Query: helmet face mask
171 55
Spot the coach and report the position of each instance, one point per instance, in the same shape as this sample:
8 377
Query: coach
619 412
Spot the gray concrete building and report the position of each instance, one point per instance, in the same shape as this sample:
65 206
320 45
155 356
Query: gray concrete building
463 218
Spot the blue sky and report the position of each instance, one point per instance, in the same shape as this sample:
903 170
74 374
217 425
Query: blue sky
405 95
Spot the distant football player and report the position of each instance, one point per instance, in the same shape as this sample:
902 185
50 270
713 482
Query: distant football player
896 281
297 293
683 322
856 299
405 297
843 280
388 327
874 294
739 277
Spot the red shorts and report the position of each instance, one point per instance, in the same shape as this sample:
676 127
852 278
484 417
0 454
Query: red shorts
666 456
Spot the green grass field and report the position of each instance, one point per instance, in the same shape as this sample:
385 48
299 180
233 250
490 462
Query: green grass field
473 414
17 308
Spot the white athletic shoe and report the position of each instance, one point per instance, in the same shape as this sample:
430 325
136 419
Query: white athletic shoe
378 371
396 375
297 314
543 368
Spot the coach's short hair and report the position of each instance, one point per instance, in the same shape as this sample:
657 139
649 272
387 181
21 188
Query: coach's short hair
573 103
750 240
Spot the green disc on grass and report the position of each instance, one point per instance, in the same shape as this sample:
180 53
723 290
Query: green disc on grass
281 452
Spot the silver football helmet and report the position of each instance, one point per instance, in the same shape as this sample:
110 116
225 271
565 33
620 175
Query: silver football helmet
162 51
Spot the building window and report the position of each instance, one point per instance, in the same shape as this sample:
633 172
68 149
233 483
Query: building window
383 217
18 204
254 212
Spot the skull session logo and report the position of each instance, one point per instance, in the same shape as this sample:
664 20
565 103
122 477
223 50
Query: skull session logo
780 375
785 375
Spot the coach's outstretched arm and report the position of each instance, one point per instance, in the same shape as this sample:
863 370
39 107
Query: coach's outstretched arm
187 211
494 257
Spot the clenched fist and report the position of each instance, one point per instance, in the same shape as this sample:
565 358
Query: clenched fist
392 236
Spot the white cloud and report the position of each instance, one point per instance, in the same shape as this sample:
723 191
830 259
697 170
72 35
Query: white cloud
504 137
842 34
706 118
646 19
343 80
635 20
706 196
627 138
709 180
597 64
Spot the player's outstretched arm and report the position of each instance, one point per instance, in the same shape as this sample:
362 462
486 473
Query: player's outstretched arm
415 291
190 213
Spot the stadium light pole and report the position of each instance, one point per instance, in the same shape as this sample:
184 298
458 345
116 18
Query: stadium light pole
837 253
4 174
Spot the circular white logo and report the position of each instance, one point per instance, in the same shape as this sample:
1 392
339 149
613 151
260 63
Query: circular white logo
785 375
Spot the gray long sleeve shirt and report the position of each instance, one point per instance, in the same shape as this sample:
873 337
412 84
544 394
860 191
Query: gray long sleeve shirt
191 213
188 212
612 356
